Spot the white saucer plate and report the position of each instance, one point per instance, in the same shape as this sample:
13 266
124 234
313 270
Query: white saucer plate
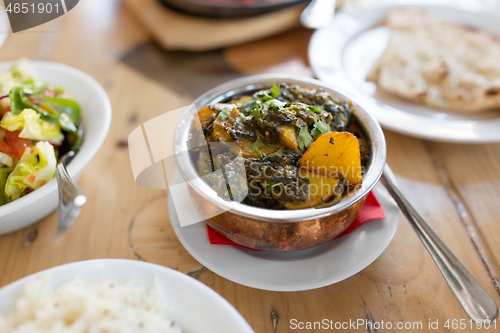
343 52
292 271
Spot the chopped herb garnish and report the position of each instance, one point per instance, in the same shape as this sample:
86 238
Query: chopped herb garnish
276 104
256 145
250 105
314 108
256 114
264 113
275 90
278 152
297 106
265 98
224 113
271 185
242 118
305 139
320 128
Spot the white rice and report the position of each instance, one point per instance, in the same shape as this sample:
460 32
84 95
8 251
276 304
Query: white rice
79 308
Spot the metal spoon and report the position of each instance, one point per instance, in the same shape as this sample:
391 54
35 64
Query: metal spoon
318 14
71 197
474 299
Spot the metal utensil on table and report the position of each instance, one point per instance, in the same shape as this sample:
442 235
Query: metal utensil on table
474 299
318 14
71 196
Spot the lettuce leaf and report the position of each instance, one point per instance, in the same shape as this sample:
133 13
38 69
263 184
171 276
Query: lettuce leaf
4 173
15 76
32 127
57 110
6 160
68 110
21 72
36 167
18 101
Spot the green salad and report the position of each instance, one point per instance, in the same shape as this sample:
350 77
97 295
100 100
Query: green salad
39 123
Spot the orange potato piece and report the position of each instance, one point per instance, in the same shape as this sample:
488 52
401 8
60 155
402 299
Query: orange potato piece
248 151
220 133
321 189
204 113
241 100
288 136
333 154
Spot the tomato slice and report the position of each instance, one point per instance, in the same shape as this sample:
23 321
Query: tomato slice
49 93
5 148
14 145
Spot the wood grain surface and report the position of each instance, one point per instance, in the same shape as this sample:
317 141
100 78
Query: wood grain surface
456 188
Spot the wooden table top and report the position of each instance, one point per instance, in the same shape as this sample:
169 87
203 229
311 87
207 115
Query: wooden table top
456 188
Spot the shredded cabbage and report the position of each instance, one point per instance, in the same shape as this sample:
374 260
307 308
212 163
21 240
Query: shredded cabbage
36 167
6 160
32 127
17 75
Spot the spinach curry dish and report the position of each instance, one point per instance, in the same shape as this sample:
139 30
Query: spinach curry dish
297 148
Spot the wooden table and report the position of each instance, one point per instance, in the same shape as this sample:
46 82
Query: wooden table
455 187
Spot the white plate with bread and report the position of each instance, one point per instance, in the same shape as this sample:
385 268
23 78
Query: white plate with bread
430 72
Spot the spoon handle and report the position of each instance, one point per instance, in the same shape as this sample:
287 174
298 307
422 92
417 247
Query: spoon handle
474 299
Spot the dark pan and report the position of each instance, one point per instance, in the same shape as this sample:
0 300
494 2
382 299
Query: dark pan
229 8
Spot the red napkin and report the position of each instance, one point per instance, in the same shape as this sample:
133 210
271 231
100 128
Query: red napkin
371 210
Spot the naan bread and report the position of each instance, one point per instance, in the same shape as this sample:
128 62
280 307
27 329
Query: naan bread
439 63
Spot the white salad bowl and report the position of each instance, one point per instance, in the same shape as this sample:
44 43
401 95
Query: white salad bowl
96 115
195 307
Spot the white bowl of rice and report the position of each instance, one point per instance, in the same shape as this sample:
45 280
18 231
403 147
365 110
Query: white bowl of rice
115 296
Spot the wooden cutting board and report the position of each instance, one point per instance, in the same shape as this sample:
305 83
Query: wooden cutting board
179 31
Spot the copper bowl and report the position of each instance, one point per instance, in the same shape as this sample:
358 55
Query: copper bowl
277 230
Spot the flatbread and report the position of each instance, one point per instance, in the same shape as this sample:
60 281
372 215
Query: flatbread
439 63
